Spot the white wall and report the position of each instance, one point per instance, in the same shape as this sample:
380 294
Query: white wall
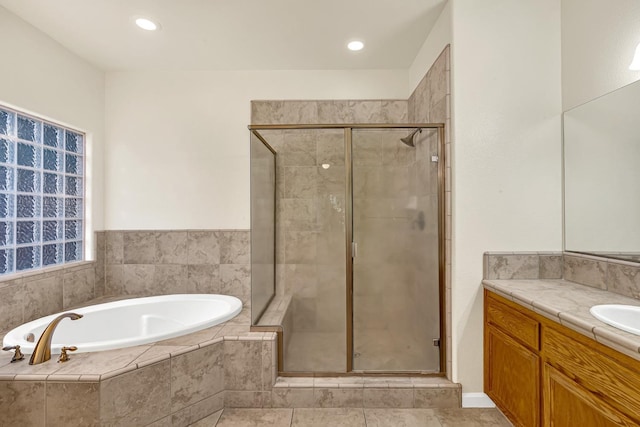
599 38
506 151
178 144
41 77
438 38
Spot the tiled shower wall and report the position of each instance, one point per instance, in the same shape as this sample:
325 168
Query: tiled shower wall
144 263
430 102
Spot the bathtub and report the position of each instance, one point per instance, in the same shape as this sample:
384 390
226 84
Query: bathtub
129 322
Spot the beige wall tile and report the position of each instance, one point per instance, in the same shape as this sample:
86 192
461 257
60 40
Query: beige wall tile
300 182
203 247
293 398
196 375
437 398
388 398
585 271
114 279
300 112
338 397
171 247
299 149
203 279
170 279
235 279
43 296
267 112
138 279
366 111
234 247
269 362
334 112
11 305
78 287
243 365
551 266
22 403
72 404
114 249
394 111
300 247
139 247
623 279
513 266
137 398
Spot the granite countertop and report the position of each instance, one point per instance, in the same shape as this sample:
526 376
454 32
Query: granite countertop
568 303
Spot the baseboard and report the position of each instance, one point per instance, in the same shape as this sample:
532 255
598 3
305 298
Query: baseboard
477 400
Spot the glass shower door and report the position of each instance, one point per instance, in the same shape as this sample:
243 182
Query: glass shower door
396 276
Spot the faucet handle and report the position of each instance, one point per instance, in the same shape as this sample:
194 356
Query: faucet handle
17 356
63 353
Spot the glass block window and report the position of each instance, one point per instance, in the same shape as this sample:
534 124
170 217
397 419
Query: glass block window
41 193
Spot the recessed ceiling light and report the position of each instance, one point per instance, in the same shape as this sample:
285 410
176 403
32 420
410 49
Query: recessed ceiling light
355 45
146 24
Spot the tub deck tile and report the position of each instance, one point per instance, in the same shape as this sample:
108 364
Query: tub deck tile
184 350
117 372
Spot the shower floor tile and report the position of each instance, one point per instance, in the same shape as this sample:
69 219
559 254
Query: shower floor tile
305 417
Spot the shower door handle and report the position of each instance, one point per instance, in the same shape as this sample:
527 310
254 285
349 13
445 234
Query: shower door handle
354 249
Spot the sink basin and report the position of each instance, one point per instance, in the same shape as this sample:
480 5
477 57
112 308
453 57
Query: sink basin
625 317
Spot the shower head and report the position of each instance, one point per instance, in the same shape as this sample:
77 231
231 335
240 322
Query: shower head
409 138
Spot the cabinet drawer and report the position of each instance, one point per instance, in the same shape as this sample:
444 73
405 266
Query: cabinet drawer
567 404
516 324
613 383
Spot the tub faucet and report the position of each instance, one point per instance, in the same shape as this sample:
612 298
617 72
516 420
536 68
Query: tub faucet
42 350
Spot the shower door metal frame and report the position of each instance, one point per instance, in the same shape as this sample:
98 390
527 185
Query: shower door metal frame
348 138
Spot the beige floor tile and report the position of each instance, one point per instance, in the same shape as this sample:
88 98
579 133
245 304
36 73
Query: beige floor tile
209 421
401 418
471 417
334 417
255 418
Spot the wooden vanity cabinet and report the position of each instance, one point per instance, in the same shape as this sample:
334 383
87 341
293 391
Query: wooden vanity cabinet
512 363
540 373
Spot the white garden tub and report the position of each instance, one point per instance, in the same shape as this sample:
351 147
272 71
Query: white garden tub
129 322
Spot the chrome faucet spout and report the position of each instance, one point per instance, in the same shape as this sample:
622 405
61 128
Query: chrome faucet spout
42 350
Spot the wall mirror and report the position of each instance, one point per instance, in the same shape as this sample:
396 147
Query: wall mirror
602 175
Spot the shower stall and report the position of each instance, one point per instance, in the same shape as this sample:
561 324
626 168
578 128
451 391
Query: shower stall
347 246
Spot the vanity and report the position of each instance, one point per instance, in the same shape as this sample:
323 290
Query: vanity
548 362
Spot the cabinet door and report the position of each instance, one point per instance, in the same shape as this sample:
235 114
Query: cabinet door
512 378
566 404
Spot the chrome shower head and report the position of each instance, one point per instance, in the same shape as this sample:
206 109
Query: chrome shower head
408 140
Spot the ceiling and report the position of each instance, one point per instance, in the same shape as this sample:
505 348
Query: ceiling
236 34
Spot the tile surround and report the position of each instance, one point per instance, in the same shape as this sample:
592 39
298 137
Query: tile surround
144 263
617 276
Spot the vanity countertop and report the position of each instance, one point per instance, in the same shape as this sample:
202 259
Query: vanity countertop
568 303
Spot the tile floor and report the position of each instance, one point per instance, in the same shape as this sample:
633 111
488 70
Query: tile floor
332 417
